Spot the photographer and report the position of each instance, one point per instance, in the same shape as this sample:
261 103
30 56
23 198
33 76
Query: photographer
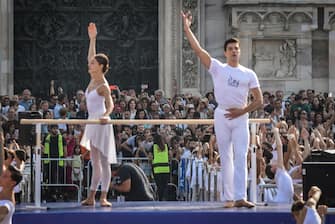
130 180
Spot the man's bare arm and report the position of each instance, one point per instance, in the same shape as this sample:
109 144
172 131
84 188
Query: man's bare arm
2 156
203 55
279 144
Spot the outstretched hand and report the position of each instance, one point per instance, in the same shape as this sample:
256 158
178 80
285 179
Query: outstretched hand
187 19
92 31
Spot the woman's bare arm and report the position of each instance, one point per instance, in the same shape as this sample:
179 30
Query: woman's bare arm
92 33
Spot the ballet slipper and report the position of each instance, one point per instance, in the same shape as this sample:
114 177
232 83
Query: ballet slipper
88 202
103 200
105 203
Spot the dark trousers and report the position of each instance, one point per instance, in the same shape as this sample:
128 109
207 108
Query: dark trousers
162 180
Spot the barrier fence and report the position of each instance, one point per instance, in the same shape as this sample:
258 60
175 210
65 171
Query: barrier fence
39 122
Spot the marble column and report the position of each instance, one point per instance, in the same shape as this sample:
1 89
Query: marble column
329 24
169 46
6 47
331 61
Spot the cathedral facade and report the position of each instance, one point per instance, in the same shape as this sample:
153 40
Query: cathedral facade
289 44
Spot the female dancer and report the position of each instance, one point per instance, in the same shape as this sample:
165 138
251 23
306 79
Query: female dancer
99 139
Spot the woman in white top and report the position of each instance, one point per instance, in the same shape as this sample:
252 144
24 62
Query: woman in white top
99 139
306 213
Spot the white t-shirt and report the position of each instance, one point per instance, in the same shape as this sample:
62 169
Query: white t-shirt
11 208
312 216
232 84
284 184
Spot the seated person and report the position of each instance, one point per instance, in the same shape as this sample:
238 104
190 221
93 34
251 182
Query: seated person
278 172
306 212
130 180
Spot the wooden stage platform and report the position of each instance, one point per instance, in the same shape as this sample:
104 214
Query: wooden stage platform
155 212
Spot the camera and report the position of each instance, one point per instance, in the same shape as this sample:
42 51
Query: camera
144 86
116 180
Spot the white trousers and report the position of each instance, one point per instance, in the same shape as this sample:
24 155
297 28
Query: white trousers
233 141
101 171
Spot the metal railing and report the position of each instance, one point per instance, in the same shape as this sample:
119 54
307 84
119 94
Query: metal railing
55 176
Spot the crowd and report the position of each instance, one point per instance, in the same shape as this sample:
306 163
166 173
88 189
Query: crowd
305 121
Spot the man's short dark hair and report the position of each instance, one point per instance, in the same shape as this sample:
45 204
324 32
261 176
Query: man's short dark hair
16 174
53 126
269 172
297 206
115 166
267 156
231 40
21 154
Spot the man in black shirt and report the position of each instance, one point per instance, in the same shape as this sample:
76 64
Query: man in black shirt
130 180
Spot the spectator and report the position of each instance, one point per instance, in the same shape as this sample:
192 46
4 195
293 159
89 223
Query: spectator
80 96
160 164
283 179
71 110
19 163
299 105
26 101
132 108
159 97
76 166
130 180
82 113
4 104
308 212
53 171
59 105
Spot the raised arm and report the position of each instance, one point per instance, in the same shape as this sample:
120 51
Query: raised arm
92 33
52 88
313 196
279 144
2 152
205 58
307 146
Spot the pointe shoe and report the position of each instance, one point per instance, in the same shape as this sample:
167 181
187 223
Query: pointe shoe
88 202
105 203
228 204
244 203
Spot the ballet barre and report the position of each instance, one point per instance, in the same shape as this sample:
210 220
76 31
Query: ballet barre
39 122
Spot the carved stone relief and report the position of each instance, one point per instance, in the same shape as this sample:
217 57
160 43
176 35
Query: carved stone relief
190 65
280 18
329 18
275 59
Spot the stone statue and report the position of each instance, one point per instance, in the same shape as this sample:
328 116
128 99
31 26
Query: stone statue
287 59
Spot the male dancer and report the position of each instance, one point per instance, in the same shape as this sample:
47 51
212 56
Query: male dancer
232 83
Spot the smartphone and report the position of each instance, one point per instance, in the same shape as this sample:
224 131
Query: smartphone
144 86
